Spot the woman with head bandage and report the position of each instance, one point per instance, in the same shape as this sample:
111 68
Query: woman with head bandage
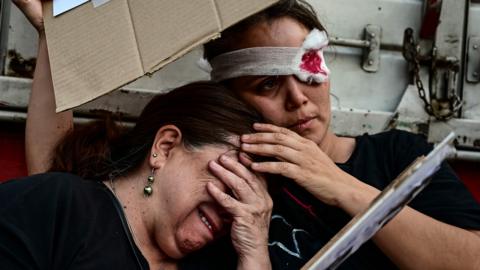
274 61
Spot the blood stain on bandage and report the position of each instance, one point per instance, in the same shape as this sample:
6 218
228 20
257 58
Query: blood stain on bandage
312 62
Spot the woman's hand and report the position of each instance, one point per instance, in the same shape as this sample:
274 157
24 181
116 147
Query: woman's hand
299 159
250 206
33 11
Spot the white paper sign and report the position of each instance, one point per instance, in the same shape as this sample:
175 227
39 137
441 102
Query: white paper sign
61 6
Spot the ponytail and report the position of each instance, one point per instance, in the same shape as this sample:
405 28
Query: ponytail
86 151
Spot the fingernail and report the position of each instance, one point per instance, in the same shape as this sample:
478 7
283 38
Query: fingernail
213 164
211 185
224 158
245 137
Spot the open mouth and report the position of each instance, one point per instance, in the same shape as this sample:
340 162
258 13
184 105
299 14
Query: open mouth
208 223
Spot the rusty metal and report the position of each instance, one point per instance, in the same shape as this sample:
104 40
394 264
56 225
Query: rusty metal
19 66
442 107
371 45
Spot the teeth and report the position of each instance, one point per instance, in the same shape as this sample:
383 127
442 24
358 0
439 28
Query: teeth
204 220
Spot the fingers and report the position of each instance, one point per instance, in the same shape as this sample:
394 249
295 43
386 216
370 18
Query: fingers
274 138
274 141
245 159
286 169
226 201
278 142
263 127
237 168
281 152
238 178
248 194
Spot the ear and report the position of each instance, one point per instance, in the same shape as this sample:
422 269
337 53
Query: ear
167 138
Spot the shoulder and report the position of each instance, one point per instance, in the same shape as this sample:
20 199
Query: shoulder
37 182
47 188
396 145
399 138
379 158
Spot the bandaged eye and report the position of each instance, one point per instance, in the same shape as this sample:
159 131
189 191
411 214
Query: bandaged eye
307 62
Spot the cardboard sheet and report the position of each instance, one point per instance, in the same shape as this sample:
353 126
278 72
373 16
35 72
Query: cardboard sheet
96 50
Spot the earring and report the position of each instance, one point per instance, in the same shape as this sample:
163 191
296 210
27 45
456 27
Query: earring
154 155
148 190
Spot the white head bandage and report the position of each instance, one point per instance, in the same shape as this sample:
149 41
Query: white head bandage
306 62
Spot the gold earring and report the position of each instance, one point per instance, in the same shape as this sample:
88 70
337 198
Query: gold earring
148 190
154 155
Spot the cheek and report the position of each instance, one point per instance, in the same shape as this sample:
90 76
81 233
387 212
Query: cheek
323 103
269 108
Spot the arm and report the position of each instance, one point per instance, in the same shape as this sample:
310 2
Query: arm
411 240
44 127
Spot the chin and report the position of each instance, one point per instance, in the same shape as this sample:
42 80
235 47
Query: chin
185 247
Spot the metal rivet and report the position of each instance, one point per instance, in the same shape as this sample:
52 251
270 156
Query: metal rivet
475 46
370 62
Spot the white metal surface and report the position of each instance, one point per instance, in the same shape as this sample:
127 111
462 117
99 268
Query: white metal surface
21 41
471 91
361 101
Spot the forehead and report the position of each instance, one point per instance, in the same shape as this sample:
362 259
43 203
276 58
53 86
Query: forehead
281 32
202 155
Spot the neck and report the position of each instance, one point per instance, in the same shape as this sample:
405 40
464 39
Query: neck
338 149
140 217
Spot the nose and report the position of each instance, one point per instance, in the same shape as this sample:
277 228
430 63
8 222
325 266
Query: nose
295 97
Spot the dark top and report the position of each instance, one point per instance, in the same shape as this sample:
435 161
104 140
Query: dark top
301 224
70 223
60 221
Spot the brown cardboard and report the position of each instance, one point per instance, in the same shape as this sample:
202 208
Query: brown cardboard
96 50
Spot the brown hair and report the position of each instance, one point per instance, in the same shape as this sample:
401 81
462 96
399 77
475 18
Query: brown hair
205 112
299 10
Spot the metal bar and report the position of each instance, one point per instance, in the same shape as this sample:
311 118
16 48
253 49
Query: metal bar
449 44
466 155
22 116
13 116
350 42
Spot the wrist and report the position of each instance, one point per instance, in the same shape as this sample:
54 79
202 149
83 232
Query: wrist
259 260
356 196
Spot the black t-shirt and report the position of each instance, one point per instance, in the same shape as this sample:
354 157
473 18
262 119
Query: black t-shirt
301 224
60 221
